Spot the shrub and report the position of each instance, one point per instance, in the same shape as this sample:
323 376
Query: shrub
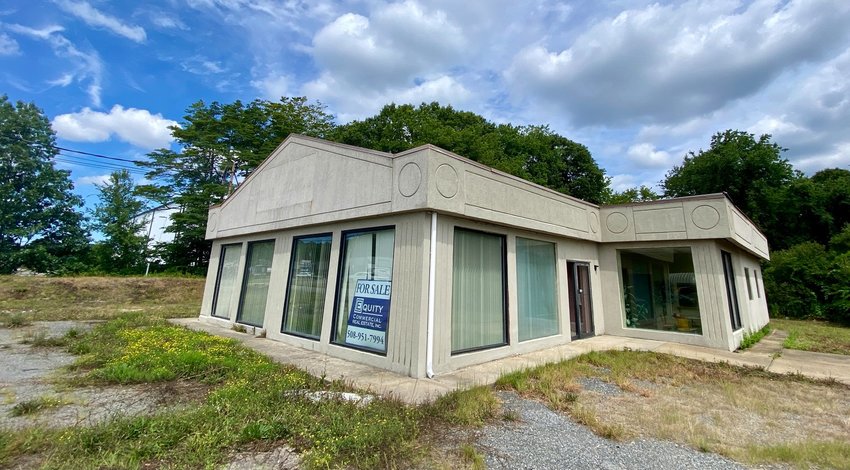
810 281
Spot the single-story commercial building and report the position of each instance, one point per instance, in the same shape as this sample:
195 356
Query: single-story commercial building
424 262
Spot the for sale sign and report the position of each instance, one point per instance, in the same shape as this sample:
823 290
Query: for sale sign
369 315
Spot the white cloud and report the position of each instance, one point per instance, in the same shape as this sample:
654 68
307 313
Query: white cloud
136 126
348 106
87 66
273 86
8 46
665 63
167 22
812 121
92 179
200 65
646 155
398 43
62 81
96 18
37 33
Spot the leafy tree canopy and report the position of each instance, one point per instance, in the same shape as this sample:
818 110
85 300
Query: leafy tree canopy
39 226
531 152
641 194
751 171
123 249
220 144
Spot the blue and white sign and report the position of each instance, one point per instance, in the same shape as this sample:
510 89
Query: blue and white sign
369 315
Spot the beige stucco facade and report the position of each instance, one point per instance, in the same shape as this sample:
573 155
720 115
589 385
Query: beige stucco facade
309 186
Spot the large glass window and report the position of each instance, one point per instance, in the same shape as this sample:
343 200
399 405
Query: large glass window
255 285
308 281
536 289
478 291
731 290
225 289
364 289
659 290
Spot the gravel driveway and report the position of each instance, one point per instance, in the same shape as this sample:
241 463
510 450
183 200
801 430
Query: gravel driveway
543 439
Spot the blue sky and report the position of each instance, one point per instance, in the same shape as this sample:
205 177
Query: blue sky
640 83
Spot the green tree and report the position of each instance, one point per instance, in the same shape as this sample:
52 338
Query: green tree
531 152
641 194
40 227
221 144
123 249
558 163
751 171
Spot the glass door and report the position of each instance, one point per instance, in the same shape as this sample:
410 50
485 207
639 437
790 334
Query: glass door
581 307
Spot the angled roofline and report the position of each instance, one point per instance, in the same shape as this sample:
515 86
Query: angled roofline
482 166
304 140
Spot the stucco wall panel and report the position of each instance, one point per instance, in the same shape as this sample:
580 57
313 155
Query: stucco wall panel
659 219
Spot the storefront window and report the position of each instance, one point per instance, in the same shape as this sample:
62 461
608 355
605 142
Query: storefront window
255 287
364 289
536 289
308 282
659 290
478 291
228 268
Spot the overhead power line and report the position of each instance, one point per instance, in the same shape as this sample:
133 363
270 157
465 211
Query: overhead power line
98 155
97 167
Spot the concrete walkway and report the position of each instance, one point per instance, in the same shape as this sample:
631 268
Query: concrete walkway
768 354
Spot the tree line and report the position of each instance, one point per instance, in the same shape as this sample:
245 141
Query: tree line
220 144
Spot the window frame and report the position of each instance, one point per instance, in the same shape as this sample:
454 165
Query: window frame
732 300
749 285
245 279
557 283
292 268
343 246
700 303
505 298
215 300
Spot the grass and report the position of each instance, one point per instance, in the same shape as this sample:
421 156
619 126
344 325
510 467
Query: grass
36 405
750 339
24 299
816 336
15 320
743 413
249 405
472 457
807 454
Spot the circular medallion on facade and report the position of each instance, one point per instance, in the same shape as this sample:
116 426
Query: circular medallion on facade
447 181
594 222
212 222
705 217
409 179
617 222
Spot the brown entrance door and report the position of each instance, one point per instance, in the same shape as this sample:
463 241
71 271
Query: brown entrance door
581 307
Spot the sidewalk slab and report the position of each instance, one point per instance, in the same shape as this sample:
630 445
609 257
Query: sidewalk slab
812 364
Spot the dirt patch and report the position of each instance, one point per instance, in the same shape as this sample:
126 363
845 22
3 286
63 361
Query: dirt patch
31 374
